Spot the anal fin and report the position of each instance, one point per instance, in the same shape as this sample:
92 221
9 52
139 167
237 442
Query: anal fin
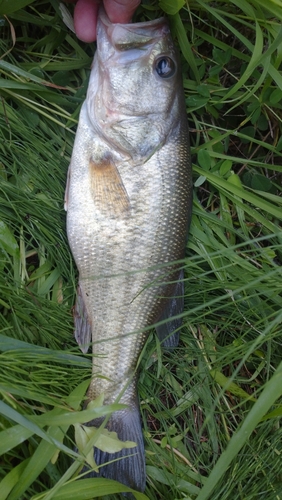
168 333
82 326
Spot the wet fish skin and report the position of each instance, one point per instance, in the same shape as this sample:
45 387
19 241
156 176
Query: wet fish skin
128 202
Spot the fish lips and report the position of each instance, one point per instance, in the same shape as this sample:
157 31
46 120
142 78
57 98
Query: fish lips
128 36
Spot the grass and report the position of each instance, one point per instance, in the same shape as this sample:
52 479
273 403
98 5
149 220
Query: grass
211 409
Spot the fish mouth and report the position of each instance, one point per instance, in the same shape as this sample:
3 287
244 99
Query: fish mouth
155 23
131 35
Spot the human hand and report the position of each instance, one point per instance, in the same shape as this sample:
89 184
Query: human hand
86 13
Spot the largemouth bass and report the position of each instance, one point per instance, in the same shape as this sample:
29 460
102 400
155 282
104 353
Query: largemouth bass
128 202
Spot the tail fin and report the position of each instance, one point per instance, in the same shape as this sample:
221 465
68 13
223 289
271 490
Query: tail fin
128 470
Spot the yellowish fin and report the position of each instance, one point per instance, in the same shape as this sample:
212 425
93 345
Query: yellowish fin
107 188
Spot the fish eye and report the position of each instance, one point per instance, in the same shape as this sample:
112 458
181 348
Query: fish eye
165 67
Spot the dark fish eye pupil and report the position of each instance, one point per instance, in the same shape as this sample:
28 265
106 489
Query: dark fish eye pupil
165 67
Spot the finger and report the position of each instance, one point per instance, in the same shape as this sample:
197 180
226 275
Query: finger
120 11
85 19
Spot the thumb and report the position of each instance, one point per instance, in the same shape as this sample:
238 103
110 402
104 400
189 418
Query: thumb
85 19
120 11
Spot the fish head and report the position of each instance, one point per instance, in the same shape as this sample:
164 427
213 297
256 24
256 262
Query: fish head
135 85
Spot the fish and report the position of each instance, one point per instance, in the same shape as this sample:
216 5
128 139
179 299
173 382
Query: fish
128 201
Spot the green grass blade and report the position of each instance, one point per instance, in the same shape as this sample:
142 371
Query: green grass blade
271 392
242 193
184 44
12 437
7 7
85 489
11 479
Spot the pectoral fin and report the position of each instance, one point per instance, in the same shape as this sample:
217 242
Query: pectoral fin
168 333
82 326
107 188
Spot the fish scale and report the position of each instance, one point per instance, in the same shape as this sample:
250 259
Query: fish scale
128 202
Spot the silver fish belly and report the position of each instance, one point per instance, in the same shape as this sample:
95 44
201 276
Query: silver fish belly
128 202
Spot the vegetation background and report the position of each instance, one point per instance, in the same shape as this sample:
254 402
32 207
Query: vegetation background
212 408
